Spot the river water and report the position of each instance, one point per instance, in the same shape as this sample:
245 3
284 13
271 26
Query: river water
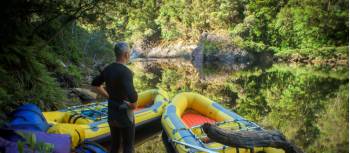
307 103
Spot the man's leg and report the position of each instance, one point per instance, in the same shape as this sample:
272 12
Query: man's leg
115 137
128 139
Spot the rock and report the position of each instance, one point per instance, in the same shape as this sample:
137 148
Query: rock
66 80
217 38
134 54
171 51
198 57
227 55
85 95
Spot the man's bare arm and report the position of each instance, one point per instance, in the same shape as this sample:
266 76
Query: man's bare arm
102 91
132 105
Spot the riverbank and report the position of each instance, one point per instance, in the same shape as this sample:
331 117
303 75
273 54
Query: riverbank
332 56
219 48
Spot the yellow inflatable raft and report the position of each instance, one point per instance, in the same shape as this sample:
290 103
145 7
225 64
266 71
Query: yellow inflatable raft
90 121
182 122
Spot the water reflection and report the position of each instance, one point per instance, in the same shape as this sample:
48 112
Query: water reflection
206 70
305 102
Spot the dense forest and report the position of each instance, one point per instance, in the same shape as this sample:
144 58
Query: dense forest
50 46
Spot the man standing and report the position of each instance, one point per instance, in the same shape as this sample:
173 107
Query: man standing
122 98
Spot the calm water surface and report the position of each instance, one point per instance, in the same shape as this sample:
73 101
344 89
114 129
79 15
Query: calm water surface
308 103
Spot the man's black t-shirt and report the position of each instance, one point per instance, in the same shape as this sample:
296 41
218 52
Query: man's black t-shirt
120 87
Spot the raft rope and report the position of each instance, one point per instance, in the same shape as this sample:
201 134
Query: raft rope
103 115
76 114
80 140
89 107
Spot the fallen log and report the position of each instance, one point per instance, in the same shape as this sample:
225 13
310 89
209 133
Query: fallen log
249 139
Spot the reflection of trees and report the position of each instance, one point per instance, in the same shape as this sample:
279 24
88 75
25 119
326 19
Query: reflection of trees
294 99
290 99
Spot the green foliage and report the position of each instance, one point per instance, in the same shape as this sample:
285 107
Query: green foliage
25 78
33 144
321 53
144 80
43 49
188 19
151 146
181 78
141 20
266 25
333 124
75 72
169 20
292 24
307 24
173 81
290 99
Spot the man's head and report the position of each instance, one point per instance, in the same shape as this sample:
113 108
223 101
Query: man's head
122 51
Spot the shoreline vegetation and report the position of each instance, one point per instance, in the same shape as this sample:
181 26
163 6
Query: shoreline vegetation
327 55
283 64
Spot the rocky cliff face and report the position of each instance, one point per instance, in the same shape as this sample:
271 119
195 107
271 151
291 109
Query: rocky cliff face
181 49
168 50
210 48
173 50
218 49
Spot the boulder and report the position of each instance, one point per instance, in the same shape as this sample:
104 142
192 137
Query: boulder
85 95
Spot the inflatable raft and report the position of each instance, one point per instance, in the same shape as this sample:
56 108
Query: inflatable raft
89 122
182 122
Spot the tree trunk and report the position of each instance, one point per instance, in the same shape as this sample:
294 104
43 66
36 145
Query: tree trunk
249 139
